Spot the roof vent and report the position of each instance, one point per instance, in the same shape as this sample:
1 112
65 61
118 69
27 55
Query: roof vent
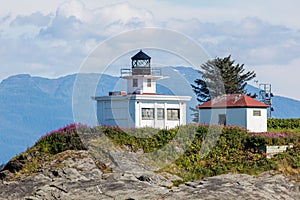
117 93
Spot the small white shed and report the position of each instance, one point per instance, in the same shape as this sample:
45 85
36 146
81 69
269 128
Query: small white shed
235 109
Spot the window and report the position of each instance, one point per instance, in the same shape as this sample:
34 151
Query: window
256 113
222 119
173 114
134 83
149 82
160 113
147 113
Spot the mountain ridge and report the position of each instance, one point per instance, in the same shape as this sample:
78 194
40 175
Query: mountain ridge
31 106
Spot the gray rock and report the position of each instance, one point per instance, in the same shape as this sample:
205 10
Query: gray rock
76 175
238 186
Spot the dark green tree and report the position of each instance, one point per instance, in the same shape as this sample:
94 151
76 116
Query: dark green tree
201 90
221 76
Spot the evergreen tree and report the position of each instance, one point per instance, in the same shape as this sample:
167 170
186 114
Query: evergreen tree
221 76
201 90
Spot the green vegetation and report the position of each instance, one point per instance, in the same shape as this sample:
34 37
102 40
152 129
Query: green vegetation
284 125
148 139
60 140
235 151
206 150
44 150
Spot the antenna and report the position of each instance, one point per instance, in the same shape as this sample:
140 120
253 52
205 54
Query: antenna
256 82
265 95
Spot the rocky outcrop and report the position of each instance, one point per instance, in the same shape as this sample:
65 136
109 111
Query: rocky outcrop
239 186
78 175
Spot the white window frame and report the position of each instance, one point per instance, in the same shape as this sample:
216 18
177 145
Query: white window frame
148 113
173 114
160 113
256 113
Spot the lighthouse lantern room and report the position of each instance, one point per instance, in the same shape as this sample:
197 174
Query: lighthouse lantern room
141 78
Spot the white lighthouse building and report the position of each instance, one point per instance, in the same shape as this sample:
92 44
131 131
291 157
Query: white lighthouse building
141 106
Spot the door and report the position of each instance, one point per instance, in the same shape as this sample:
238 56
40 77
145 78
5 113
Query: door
222 119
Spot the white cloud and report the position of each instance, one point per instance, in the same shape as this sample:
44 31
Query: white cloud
72 8
35 19
59 42
250 40
272 11
123 12
74 20
59 37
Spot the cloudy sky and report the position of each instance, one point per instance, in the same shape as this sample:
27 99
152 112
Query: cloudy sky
52 38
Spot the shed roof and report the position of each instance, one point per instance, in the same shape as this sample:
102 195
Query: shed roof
233 101
140 56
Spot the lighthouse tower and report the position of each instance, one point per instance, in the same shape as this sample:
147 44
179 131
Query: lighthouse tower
141 78
141 106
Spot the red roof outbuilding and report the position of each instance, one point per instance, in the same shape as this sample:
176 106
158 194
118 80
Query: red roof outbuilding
233 101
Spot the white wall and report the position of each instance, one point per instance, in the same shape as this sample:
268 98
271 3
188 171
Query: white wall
147 89
140 122
163 123
174 123
142 85
126 111
115 113
242 117
257 123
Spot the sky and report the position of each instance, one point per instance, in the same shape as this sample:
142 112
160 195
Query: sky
52 38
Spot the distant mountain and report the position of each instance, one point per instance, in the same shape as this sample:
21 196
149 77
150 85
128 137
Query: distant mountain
31 106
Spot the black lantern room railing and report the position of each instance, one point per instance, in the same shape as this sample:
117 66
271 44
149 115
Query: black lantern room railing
140 65
141 71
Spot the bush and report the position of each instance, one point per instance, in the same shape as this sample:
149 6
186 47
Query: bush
214 150
283 124
140 138
60 140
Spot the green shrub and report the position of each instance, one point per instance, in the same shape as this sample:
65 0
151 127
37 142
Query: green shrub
140 138
209 150
281 124
60 140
